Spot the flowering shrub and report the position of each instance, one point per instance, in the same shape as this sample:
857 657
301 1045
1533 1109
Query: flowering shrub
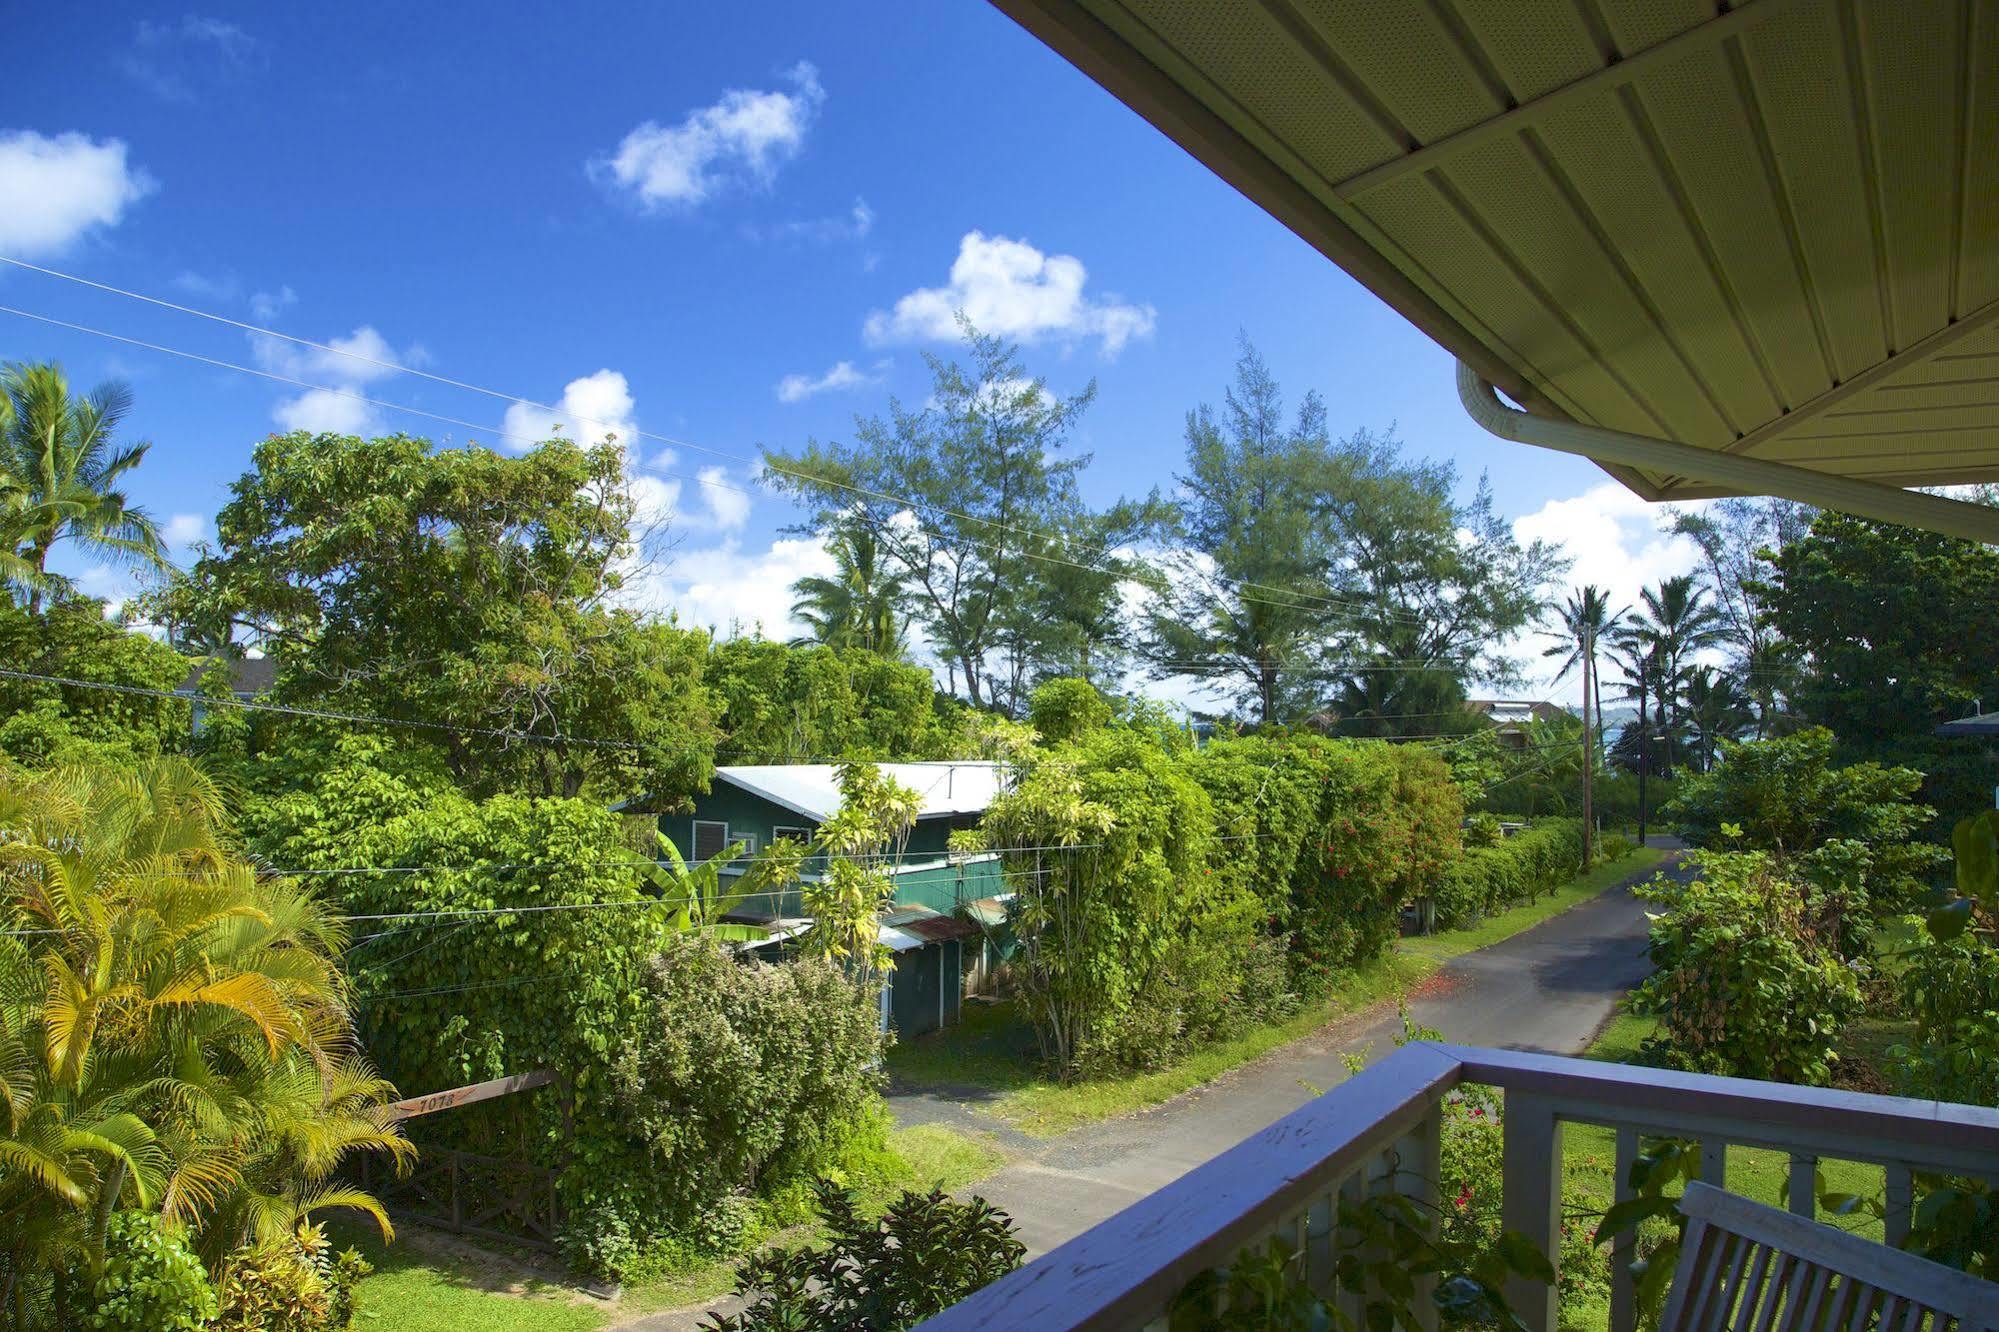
1745 983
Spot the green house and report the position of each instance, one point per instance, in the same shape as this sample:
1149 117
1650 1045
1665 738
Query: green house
939 928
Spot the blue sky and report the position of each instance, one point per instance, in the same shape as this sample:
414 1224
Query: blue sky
689 218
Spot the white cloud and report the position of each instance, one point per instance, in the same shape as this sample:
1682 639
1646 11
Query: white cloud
591 407
169 58
1010 288
728 503
184 529
1615 541
843 375
852 225
343 369
728 589
58 189
741 140
266 305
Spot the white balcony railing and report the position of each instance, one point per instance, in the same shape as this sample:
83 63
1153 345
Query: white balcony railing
1380 1131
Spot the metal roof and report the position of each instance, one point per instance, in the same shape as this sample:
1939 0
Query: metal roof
1983 724
947 787
1770 231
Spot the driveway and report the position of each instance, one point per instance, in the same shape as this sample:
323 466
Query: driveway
1550 989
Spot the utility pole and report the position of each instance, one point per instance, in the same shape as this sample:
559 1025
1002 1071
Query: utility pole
1589 749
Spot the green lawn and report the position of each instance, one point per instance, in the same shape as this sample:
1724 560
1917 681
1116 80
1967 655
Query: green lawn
990 1057
440 1286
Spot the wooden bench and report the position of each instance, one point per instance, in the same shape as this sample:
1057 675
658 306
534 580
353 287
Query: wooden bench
1751 1267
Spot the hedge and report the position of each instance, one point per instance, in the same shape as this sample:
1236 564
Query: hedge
1490 878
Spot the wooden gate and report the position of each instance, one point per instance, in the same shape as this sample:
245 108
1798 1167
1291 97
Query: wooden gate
468 1194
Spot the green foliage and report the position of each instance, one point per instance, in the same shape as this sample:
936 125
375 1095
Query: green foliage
175 1025
979 463
1747 984
1066 710
858 846
1489 878
743 1078
925 1254
275 1286
465 587
1892 626
860 607
1126 914
150 1281
782 703
45 723
1786 796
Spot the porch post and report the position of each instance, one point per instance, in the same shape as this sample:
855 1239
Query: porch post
1531 1170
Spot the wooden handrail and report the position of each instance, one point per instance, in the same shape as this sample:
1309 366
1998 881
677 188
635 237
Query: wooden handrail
1124 1271
1858 1126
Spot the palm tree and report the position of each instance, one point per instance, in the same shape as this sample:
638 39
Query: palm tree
1582 623
1717 710
1641 662
860 605
173 1027
1679 621
62 470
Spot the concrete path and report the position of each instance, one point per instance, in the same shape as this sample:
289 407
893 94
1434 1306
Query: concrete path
1550 989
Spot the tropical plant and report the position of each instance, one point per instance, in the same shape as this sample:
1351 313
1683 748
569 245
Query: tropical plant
149 1280
1583 625
860 605
173 1026
925 1254
62 467
860 844
1716 710
695 899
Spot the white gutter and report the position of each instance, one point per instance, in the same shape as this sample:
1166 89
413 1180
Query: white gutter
1751 476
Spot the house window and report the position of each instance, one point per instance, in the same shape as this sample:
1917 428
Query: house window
802 836
710 839
749 841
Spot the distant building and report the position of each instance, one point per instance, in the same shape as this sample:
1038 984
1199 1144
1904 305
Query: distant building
945 902
1510 717
247 676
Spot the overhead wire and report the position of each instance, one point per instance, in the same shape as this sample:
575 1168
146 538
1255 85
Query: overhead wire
1297 595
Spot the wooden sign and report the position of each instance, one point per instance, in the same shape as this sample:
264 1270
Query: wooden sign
478 1091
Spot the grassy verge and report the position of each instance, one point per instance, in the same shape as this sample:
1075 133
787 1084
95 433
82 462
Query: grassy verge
426 1283
990 1058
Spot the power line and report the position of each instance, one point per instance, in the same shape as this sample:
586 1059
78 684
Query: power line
1297 595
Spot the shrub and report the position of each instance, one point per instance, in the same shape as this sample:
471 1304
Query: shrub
924 1255
1065 710
743 1078
275 1287
151 1280
1745 985
1951 988
1520 868
1785 797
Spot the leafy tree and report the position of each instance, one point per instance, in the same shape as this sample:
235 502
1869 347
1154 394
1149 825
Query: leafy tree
460 587
924 1255
1066 710
1893 629
1247 598
860 606
781 703
71 639
1716 709
1733 535
962 495
175 1029
61 468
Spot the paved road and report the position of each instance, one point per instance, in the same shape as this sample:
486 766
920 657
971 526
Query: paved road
1550 989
